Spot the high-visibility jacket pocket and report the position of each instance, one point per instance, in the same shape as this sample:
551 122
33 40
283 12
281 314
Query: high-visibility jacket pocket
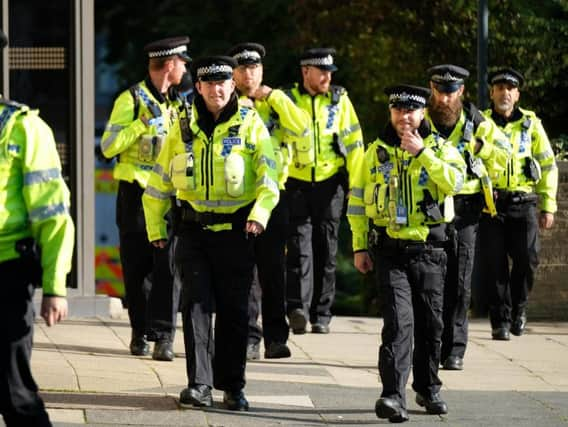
235 175
304 152
181 172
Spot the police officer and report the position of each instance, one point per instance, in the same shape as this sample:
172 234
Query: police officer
36 248
286 123
140 119
316 190
528 184
485 150
220 164
405 188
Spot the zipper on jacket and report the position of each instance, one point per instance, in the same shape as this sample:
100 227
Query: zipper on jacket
316 138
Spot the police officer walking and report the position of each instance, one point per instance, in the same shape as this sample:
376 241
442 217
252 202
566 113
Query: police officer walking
220 163
316 190
405 188
36 248
528 184
286 123
485 150
140 120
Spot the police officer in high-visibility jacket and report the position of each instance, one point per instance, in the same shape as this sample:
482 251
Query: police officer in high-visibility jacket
405 188
286 124
527 186
139 122
36 248
485 150
220 164
316 190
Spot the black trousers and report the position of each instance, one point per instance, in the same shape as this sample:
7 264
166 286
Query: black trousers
20 403
152 294
513 234
216 273
315 213
457 287
412 288
268 288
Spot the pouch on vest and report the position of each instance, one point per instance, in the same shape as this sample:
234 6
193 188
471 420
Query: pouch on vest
532 169
146 148
235 175
181 172
304 152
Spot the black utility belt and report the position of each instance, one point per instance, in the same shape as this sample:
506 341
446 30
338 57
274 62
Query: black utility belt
188 214
468 203
515 197
409 246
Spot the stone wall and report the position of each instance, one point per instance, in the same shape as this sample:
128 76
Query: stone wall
549 298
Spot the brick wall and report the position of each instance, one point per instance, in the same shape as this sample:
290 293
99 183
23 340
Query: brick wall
549 298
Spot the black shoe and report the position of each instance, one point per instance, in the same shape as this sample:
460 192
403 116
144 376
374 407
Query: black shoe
297 321
139 345
519 324
163 350
235 401
389 408
453 363
253 351
434 405
196 395
320 328
500 334
277 350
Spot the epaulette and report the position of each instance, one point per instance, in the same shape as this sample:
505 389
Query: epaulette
134 92
472 113
336 92
13 104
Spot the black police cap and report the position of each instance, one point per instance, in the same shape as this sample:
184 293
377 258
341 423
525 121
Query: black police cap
447 78
407 96
319 57
168 47
247 53
506 75
213 68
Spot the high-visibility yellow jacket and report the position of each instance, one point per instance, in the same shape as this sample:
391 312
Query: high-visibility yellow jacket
286 123
494 153
222 173
334 141
529 143
390 188
34 197
126 136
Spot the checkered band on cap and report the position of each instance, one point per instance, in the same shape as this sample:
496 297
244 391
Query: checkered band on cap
404 97
505 76
214 69
445 77
316 62
247 54
167 52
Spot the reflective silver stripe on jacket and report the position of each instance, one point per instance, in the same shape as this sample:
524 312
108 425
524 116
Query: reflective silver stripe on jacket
218 203
45 175
353 146
269 162
45 212
350 130
268 182
357 192
157 194
355 210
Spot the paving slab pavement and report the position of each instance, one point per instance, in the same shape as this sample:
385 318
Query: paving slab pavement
88 377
